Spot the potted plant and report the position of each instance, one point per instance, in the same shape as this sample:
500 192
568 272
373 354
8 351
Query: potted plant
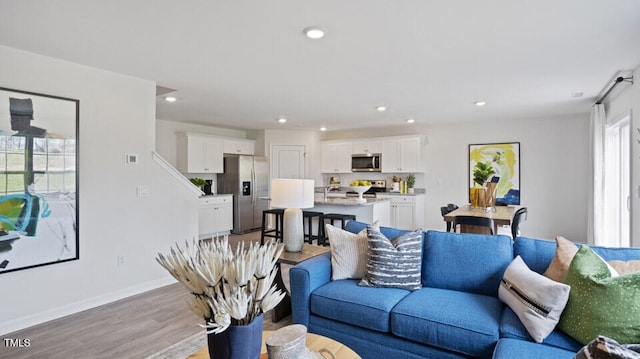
230 290
481 174
198 182
411 181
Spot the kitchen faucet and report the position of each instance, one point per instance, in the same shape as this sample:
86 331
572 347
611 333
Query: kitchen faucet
326 192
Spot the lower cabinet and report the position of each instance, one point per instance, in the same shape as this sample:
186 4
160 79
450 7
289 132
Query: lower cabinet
215 216
407 212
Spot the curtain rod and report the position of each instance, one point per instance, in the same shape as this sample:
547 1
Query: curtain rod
618 80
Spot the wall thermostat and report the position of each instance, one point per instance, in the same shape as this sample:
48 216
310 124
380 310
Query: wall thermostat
132 159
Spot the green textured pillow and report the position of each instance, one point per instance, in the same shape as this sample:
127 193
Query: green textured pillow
600 304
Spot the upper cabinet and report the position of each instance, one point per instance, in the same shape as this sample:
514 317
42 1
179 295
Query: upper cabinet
336 157
199 153
239 146
366 146
402 154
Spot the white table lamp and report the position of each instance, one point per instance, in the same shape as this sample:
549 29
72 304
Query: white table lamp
292 194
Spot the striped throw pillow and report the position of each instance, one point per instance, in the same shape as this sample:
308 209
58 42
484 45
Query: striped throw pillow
393 263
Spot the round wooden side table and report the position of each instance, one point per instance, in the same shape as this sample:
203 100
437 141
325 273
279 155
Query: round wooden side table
315 342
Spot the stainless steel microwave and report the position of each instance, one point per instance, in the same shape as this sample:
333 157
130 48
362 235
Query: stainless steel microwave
369 162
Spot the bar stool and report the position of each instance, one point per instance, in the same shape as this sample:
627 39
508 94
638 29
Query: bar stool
309 216
343 218
277 231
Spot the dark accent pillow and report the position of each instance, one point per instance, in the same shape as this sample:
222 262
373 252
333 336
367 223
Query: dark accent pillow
603 347
393 263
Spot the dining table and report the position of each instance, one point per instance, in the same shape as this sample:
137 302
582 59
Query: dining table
501 215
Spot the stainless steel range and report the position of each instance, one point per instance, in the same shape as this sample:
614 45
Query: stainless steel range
376 186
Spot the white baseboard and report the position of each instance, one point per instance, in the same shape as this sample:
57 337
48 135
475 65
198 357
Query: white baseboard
72 308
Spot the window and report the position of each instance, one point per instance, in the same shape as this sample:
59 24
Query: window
617 169
53 161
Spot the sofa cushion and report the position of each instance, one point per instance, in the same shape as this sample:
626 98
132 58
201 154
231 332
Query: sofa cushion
600 303
465 262
348 252
466 323
395 262
565 251
536 253
512 327
513 348
537 300
389 232
345 301
603 347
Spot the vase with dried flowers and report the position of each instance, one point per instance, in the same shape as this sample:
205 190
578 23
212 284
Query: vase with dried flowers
229 290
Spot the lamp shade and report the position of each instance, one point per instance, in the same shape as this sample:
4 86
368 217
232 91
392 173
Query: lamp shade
292 193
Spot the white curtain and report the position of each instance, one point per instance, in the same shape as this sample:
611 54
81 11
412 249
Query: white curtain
596 202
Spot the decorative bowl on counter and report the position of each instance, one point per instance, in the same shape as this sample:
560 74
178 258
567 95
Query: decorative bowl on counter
360 190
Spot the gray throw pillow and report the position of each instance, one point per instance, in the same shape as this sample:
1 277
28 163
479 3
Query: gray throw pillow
603 347
393 263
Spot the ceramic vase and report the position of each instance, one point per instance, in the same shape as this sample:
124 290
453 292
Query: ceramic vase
238 341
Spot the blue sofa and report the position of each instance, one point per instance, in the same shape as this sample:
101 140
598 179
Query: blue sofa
456 314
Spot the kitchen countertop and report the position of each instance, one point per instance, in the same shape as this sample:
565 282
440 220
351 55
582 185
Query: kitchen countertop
349 201
216 195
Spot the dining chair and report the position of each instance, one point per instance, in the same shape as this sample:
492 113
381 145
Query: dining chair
444 210
519 216
473 221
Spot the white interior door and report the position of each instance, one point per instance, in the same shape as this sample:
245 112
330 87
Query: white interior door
287 161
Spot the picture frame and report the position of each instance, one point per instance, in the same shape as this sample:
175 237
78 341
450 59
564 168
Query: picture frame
504 158
39 179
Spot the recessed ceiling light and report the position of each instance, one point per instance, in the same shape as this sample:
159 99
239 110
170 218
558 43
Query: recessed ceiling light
282 120
323 128
411 120
170 99
480 103
313 32
381 108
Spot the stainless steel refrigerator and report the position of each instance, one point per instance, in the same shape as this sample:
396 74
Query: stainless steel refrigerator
247 178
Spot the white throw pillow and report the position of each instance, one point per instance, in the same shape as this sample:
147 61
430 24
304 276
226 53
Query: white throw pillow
537 300
348 252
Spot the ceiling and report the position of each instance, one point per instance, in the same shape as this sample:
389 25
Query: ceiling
245 63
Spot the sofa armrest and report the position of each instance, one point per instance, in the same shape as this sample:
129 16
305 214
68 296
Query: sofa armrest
305 278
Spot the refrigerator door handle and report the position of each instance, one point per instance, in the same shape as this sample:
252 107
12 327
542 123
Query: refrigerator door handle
253 184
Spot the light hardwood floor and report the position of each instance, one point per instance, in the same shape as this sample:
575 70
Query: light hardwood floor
133 327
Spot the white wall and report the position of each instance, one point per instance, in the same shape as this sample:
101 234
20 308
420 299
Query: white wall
553 171
117 116
554 168
627 101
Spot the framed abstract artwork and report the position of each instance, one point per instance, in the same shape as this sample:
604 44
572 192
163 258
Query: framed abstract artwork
504 159
38 179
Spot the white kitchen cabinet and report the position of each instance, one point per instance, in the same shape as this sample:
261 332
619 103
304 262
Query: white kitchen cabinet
239 146
215 216
407 212
199 154
335 157
402 155
365 147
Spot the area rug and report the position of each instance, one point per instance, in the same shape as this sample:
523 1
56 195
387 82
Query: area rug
183 348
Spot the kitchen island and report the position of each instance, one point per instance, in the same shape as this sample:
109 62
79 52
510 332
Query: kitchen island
374 209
